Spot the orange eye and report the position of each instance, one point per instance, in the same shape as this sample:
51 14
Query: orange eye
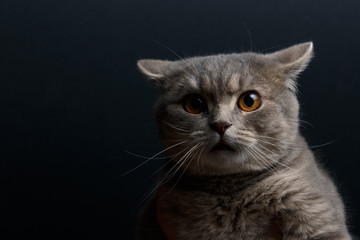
250 101
194 104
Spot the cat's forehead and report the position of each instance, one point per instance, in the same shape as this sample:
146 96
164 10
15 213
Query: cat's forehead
221 74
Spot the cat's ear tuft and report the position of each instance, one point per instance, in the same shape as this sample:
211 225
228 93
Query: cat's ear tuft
294 59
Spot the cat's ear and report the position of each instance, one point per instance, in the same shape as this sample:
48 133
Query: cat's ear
293 60
154 70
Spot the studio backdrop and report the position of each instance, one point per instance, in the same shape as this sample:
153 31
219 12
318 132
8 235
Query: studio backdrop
76 115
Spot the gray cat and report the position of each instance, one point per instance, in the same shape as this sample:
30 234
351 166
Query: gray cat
238 167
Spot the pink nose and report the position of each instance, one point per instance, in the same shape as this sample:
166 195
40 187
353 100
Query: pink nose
220 127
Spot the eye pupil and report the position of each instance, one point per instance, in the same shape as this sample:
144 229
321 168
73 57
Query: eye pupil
249 100
194 104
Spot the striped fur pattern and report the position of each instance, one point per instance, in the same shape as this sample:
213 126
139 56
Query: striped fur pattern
269 185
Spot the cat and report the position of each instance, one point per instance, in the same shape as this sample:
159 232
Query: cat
238 167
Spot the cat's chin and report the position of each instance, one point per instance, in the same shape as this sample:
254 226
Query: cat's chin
222 149
221 161
224 153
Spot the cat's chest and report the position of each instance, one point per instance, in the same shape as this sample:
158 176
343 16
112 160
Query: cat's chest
220 216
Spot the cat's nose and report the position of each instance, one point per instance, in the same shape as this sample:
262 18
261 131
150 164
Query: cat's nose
220 127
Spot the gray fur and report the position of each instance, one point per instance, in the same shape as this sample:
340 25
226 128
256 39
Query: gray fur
270 187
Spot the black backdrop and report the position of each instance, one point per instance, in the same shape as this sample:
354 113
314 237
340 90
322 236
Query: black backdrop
72 102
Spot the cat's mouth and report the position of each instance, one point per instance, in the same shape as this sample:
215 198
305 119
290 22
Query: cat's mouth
222 146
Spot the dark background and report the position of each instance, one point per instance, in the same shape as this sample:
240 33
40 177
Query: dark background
72 101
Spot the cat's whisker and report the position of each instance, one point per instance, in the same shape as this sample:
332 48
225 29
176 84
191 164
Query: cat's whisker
202 160
259 160
277 146
266 140
181 133
251 155
198 159
271 144
173 140
257 152
303 126
191 151
149 193
260 138
182 160
322 145
183 172
160 182
168 162
168 175
301 122
249 34
144 157
259 156
267 137
262 158
177 127
178 164
308 123
268 166
278 162
151 158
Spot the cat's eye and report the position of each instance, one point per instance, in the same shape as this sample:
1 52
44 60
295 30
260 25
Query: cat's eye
194 103
249 101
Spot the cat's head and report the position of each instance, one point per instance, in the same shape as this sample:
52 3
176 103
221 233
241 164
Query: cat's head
229 113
